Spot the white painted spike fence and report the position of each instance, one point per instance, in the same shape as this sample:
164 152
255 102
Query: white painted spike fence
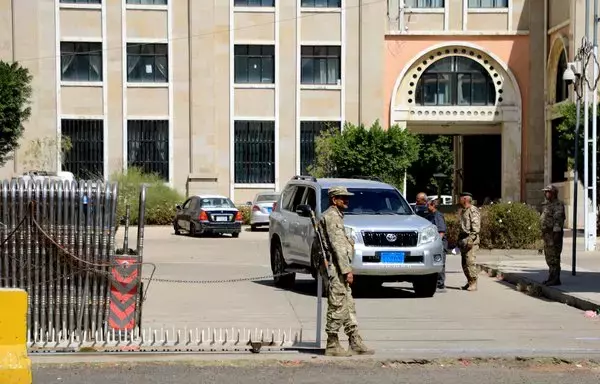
169 340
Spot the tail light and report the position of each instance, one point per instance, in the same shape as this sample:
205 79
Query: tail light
203 216
238 216
256 208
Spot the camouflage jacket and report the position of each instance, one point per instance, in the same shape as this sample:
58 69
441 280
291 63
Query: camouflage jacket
339 247
553 216
470 224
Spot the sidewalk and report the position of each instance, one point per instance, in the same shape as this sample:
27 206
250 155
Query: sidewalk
581 291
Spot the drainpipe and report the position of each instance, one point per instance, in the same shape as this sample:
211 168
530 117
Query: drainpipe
360 61
190 88
14 58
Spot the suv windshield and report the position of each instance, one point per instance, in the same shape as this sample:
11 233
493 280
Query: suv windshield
372 201
216 203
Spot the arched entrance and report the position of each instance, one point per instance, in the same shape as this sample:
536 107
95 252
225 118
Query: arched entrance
458 89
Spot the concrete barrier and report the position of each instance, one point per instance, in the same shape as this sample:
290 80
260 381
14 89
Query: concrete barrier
15 366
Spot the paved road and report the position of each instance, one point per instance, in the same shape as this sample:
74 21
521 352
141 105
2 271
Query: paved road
496 320
302 373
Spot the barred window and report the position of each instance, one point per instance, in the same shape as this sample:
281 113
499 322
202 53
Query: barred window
425 3
148 146
254 3
148 2
321 3
81 61
147 63
254 160
254 64
321 64
488 3
85 159
81 1
309 131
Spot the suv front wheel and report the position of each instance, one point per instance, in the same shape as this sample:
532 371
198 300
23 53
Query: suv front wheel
425 286
278 267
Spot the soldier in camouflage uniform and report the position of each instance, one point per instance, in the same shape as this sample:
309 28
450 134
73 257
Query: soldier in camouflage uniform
552 223
468 239
339 249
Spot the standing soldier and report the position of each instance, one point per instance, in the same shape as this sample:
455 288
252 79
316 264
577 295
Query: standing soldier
552 223
468 239
339 250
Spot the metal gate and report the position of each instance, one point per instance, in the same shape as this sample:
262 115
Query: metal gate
57 241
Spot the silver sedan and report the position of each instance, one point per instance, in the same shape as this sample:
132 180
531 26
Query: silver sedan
261 209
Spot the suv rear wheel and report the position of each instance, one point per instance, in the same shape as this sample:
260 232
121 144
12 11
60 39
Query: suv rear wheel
425 286
278 267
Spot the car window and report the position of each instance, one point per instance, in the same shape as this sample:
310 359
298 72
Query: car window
372 201
216 202
287 196
194 203
262 198
186 205
311 199
297 200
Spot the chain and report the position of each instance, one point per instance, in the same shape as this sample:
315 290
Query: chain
223 281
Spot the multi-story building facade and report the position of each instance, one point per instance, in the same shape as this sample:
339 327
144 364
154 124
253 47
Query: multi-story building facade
227 96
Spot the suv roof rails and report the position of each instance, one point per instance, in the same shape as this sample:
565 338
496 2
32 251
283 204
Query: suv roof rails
304 177
372 178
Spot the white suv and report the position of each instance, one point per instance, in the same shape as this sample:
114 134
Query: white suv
392 243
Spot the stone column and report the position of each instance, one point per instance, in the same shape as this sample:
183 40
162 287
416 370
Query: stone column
511 161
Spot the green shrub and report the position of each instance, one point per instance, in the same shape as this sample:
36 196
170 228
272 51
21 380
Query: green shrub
503 226
160 198
246 212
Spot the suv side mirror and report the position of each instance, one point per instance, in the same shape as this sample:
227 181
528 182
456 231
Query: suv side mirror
303 210
178 207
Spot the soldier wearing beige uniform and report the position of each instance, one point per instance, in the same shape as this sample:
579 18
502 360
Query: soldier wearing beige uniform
339 249
552 222
468 239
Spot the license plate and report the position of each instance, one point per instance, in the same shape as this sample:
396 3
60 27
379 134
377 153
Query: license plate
392 257
269 209
220 218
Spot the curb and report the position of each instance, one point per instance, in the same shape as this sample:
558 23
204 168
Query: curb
554 294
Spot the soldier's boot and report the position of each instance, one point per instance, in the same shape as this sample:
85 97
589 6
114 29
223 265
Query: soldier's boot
334 348
357 346
472 286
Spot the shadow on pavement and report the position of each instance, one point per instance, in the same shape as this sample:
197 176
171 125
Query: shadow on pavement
309 288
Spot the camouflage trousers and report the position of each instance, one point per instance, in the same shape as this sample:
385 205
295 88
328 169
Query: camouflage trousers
553 245
341 311
468 263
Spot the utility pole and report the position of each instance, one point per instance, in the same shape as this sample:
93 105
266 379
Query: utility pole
593 140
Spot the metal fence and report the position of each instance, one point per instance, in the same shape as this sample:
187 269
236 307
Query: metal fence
57 241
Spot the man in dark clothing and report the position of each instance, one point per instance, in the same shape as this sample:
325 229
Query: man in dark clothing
421 205
437 218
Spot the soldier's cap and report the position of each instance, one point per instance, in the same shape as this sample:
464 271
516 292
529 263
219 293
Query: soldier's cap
339 191
550 188
462 194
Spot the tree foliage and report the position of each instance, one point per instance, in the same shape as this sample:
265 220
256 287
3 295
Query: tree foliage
436 155
360 151
15 93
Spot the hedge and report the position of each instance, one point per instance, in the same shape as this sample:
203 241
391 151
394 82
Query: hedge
160 198
503 226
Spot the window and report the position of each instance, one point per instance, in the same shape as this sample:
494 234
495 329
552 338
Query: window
254 3
562 87
297 200
148 2
455 80
148 146
425 3
147 63
372 201
80 1
81 61
311 199
216 202
488 3
286 197
254 157
321 64
85 159
309 131
321 3
254 64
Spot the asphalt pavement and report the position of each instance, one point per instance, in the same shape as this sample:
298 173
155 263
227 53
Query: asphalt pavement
365 372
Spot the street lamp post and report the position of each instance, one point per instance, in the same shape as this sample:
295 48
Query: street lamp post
577 74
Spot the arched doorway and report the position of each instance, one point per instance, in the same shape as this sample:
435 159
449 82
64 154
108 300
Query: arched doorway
458 89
